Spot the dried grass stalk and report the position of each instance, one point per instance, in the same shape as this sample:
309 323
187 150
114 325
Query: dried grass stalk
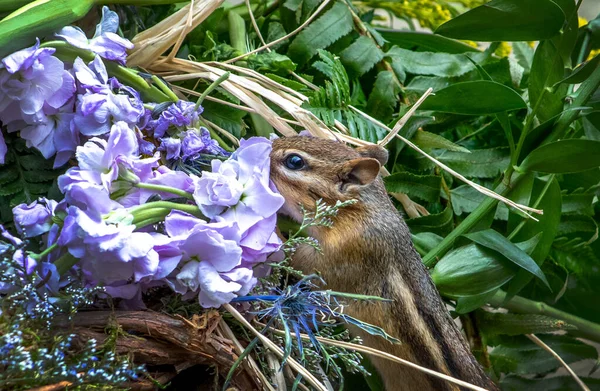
155 41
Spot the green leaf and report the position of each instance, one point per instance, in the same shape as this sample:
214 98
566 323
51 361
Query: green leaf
422 83
559 383
430 63
565 41
493 240
426 241
577 224
474 98
361 55
427 140
466 304
518 324
547 225
384 96
475 270
466 199
439 223
328 28
578 203
547 69
271 62
582 72
506 20
423 187
471 270
226 117
419 41
524 357
524 55
563 156
480 163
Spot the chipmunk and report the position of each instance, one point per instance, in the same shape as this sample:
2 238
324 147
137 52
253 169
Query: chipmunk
368 250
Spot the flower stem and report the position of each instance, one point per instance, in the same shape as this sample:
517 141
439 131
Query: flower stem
211 87
521 305
469 222
124 75
160 206
165 88
65 263
47 251
166 189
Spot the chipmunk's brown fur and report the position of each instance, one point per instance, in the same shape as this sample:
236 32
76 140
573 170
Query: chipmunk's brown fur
369 251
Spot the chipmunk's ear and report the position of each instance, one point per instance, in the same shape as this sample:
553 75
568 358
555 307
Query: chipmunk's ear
374 151
359 172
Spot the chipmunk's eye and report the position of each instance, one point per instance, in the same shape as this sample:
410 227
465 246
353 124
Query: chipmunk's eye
294 162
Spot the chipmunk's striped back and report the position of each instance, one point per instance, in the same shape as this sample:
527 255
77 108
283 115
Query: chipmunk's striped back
369 251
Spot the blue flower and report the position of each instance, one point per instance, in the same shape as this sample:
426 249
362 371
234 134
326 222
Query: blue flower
176 116
30 78
36 218
106 43
100 107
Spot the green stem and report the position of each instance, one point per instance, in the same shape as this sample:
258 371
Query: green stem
468 223
164 88
584 93
125 75
160 205
153 213
147 222
521 305
537 203
211 87
166 189
65 263
47 251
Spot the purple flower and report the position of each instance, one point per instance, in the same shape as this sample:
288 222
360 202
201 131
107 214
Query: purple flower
103 161
3 148
220 288
218 189
106 43
66 139
178 115
36 218
194 144
161 176
109 253
172 146
32 77
259 199
211 261
42 135
99 107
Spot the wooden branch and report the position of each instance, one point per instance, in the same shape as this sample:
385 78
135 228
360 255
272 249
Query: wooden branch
157 339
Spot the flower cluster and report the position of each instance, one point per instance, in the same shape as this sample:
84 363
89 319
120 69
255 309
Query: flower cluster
128 220
54 104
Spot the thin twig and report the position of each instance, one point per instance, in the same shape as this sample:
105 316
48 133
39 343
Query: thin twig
387 356
547 348
405 118
276 349
275 42
249 361
479 188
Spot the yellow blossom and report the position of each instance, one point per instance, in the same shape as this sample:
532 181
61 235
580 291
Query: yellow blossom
503 49
593 54
582 21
